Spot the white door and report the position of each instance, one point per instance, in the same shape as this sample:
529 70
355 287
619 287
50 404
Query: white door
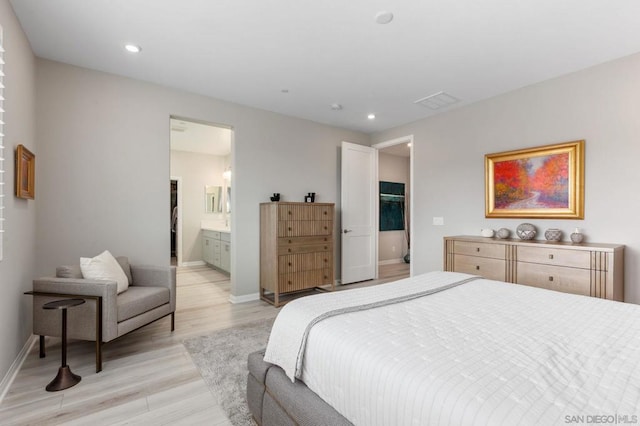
358 218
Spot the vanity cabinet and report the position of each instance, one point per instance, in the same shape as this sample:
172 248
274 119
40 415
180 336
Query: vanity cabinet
216 249
595 270
296 249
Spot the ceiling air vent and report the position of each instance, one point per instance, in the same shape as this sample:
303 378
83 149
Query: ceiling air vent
437 101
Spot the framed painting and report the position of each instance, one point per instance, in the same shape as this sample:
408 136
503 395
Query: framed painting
25 173
541 182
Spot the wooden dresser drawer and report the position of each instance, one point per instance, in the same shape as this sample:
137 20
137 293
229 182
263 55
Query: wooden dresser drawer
493 269
290 241
302 228
305 212
553 256
567 280
296 281
305 262
495 251
305 248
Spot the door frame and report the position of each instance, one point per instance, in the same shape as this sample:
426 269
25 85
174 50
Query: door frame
178 179
386 144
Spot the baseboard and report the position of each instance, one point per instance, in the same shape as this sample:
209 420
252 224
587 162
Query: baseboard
194 263
8 379
245 298
390 261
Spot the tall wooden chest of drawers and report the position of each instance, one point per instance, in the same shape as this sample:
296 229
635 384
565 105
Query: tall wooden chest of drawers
588 269
296 248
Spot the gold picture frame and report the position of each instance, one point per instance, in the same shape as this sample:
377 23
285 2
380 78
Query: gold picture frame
541 182
25 173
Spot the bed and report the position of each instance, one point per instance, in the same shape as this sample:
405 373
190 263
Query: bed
449 348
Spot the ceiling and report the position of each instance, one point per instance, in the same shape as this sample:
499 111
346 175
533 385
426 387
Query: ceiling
297 57
200 138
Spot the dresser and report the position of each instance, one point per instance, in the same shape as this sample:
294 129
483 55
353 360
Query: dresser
296 249
588 269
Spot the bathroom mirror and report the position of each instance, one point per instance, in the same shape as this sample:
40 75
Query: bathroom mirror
212 199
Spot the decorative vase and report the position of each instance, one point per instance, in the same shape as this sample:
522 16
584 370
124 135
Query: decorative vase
553 234
487 232
577 237
503 233
526 231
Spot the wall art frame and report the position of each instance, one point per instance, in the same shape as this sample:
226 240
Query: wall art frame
540 182
25 173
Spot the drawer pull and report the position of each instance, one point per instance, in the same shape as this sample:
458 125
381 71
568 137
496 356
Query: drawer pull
477 267
477 249
290 242
289 250
325 277
550 256
289 263
289 213
325 213
326 228
289 282
326 260
551 278
325 247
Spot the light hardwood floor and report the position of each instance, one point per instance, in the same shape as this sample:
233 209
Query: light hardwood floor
148 376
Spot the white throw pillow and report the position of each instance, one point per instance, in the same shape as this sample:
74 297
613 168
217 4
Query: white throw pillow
104 267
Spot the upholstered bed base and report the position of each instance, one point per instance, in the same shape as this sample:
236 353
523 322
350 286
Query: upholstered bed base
275 401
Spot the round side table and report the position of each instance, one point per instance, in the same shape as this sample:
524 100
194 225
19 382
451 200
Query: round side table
65 378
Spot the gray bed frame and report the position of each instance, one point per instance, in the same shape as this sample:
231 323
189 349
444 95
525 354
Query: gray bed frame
275 401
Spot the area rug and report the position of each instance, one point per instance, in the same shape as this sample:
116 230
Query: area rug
221 358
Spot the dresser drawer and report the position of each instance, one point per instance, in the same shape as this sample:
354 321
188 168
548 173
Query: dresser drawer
557 257
290 241
306 211
495 251
567 280
302 228
305 262
493 269
303 280
306 248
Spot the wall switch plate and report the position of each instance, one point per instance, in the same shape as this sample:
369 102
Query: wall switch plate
438 221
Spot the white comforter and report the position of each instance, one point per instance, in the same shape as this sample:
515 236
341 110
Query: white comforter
483 352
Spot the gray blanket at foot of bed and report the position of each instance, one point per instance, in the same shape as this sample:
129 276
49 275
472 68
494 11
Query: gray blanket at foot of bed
274 401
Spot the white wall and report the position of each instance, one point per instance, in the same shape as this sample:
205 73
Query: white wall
600 105
196 171
392 245
104 181
17 267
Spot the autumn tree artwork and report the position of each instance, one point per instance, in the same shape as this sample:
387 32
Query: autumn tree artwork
539 182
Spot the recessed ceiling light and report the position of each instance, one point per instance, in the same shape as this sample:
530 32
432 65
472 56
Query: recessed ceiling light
284 90
371 116
132 48
384 17
336 107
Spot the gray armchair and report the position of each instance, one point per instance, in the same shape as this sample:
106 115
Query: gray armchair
106 315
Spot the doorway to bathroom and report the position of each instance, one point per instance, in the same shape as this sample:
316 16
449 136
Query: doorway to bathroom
200 201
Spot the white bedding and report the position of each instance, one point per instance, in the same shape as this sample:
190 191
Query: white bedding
484 352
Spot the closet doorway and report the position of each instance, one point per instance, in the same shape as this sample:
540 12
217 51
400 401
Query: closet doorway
395 177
